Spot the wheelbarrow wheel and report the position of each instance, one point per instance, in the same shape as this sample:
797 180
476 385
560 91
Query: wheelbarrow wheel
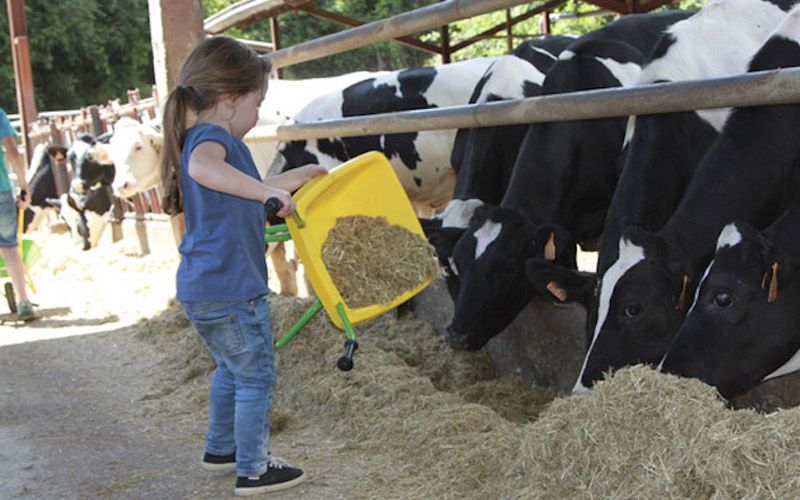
10 299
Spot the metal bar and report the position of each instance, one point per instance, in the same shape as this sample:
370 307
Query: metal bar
348 327
247 12
304 319
781 86
499 27
258 46
347 21
422 19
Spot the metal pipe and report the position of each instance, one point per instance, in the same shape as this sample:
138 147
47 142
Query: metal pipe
781 86
425 18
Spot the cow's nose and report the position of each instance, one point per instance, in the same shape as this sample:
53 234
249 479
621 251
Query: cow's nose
455 340
581 389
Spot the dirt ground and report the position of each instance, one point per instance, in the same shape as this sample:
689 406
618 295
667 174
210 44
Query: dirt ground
109 399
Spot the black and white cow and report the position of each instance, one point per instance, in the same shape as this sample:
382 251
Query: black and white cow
483 157
665 149
87 213
91 166
565 174
42 182
749 174
420 159
742 327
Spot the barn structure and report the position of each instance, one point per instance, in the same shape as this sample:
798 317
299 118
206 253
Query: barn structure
177 25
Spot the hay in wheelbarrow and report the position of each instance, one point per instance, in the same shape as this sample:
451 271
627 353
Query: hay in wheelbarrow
371 261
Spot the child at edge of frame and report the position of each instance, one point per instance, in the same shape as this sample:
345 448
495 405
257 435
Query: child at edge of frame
209 174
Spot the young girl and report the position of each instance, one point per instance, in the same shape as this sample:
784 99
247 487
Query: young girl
209 174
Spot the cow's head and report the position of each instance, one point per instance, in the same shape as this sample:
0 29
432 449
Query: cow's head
135 150
642 301
444 231
91 164
742 327
490 259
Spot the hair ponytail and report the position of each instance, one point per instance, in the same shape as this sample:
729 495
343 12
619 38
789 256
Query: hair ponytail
216 67
174 128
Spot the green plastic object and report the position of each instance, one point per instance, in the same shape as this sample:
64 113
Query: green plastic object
30 255
277 233
348 328
305 318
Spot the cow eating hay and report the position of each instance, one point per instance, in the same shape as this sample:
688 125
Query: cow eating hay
372 261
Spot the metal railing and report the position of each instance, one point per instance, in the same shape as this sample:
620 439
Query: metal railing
780 86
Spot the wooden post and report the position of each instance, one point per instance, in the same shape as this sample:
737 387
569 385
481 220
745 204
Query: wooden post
509 32
23 75
546 29
98 127
139 224
176 26
445 42
275 32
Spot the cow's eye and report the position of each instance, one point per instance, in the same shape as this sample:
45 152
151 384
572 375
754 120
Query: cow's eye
722 300
632 310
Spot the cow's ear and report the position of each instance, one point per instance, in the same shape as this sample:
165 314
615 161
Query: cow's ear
560 284
444 240
640 237
554 243
430 225
155 139
653 244
779 263
57 152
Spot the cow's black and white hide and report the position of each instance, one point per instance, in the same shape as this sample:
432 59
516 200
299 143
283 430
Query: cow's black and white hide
742 327
749 174
483 157
564 177
86 214
664 149
41 181
91 165
421 160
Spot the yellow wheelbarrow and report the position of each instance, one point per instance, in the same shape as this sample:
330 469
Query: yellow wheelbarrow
366 185
30 255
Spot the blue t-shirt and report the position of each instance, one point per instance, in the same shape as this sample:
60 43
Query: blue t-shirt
5 129
222 252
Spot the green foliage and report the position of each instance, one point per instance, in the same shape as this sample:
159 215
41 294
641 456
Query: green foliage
82 52
297 27
89 51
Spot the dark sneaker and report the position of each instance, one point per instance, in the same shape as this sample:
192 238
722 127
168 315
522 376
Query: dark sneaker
25 310
219 462
280 475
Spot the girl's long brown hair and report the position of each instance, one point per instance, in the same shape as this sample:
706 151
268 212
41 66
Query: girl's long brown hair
216 67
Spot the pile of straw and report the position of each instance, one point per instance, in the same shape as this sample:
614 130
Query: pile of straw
643 434
372 262
414 419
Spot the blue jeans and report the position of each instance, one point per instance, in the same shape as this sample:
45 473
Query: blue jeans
8 219
239 337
